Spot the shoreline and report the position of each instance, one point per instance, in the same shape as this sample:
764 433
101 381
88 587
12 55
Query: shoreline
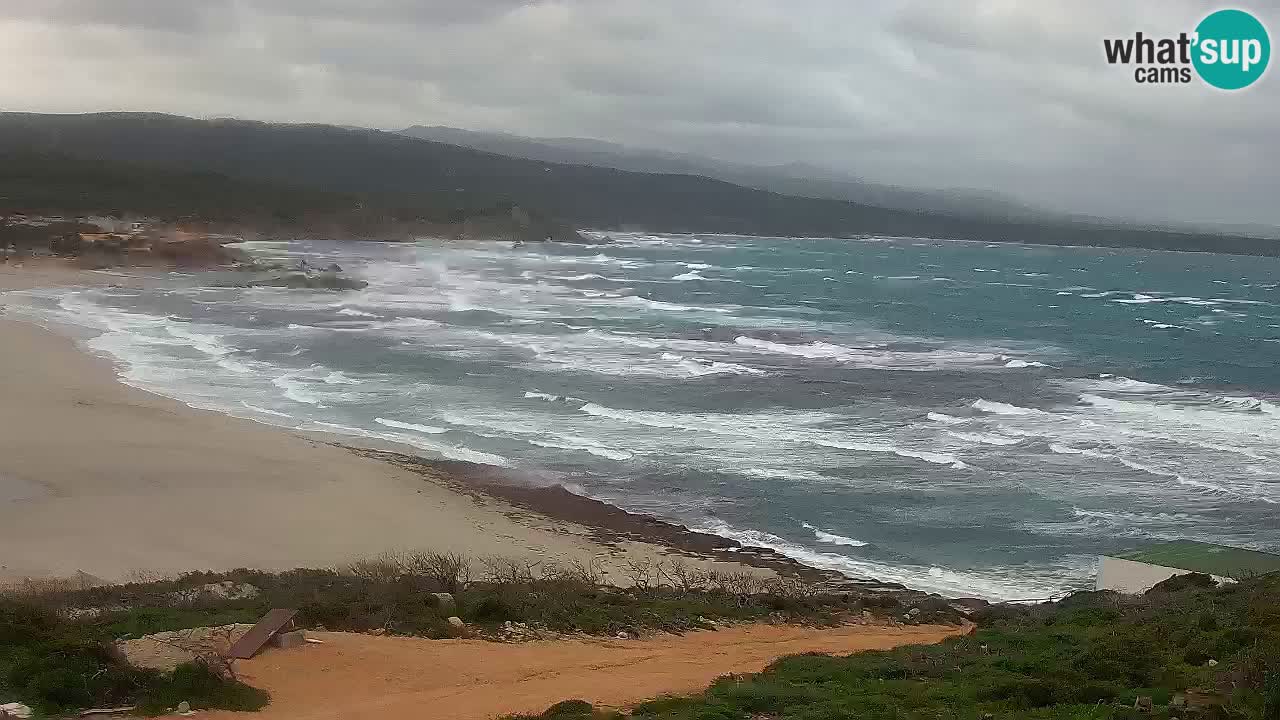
108 479
610 524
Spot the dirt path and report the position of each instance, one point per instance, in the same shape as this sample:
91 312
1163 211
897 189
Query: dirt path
361 677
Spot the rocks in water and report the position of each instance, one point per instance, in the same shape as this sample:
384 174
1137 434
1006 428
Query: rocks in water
183 708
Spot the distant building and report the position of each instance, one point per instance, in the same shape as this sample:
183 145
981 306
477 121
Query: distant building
1139 570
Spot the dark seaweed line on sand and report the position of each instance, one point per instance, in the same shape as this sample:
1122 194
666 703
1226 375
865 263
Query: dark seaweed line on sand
607 523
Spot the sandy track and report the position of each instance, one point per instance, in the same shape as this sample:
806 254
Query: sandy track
358 677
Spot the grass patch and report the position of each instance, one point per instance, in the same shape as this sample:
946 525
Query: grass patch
58 666
1091 656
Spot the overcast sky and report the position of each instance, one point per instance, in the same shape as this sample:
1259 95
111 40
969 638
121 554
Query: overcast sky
991 94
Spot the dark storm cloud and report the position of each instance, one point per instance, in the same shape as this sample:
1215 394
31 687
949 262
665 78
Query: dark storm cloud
993 94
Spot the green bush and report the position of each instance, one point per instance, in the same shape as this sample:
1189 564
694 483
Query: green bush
58 666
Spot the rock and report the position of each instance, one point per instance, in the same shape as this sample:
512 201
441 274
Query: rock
1213 663
914 612
457 628
623 636
378 631
288 640
1144 703
15 709
183 708
445 603
225 590
1178 701
166 650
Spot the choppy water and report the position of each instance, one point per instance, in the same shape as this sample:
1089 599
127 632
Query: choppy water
965 418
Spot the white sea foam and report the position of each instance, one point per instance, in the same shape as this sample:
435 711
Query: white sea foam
1009 584
428 429
576 278
999 408
1019 363
793 428
588 447
691 275
984 438
352 312
296 390
265 411
535 433
1140 299
832 538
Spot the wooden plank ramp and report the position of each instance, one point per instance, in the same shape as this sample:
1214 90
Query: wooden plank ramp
251 642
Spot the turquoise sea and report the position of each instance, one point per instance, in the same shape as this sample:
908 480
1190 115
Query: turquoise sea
966 418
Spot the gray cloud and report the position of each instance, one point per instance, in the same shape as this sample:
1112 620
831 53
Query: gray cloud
999 95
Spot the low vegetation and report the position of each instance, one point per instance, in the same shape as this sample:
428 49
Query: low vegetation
56 666
56 639
1186 649
395 594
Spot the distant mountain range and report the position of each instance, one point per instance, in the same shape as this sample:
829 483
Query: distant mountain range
408 176
799 179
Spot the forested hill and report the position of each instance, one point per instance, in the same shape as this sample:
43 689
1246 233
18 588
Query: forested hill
441 177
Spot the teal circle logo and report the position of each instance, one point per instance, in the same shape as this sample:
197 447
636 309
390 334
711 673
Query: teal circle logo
1231 50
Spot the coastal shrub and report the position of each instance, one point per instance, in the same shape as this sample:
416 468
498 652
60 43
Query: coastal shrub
392 593
1091 656
57 666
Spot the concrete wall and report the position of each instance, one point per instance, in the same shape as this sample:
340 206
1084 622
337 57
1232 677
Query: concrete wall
1129 576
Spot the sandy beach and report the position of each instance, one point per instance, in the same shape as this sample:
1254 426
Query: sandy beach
116 482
